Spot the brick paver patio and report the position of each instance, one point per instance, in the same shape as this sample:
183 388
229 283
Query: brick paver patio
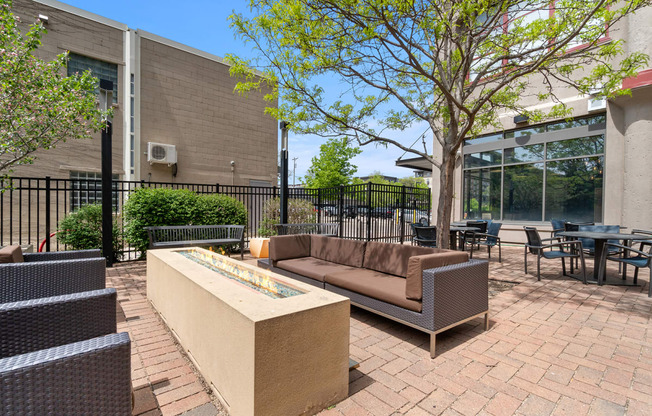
554 347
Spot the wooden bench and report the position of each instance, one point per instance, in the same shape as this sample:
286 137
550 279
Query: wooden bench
196 235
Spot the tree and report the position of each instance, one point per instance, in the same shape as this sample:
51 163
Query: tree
413 182
39 106
453 65
332 167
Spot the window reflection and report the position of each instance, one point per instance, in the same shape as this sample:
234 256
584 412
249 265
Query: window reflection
483 159
574 189
576 147
523 192
524 153
482 199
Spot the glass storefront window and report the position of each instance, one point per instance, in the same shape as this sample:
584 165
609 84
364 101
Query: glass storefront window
574 189
529 153
523 192
475 160
524 132
561 125
482 199
484 139
561 176
592 145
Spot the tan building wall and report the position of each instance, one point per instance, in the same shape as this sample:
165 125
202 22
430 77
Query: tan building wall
183 97
102 41
188 100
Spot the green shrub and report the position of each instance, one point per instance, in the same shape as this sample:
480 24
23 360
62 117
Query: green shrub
300 211
82 230
148 207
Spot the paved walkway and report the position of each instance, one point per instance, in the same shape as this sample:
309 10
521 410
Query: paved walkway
554 347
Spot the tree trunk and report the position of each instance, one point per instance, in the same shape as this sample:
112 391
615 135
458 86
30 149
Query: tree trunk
445 199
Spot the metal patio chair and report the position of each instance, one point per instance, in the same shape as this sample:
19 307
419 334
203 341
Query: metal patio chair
426 236
552 251
488 239
642 259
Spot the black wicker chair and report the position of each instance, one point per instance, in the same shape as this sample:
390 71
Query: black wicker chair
40 279
60 355
535 246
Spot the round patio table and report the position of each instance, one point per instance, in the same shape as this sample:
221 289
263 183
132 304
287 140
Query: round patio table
600 239
460 229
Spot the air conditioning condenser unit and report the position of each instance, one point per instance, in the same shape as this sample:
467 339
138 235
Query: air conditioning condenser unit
161 153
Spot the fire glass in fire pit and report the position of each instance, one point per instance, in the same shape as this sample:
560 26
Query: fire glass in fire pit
253 280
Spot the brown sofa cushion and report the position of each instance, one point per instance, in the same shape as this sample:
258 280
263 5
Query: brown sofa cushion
381 286
392 258
337 250
283 247
417 264
312 267
11 254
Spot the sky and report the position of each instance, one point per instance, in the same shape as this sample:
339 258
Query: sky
203 24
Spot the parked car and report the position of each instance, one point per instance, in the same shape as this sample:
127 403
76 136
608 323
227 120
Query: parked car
350 211
412 215
382 212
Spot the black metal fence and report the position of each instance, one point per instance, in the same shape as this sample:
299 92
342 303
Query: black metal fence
31 208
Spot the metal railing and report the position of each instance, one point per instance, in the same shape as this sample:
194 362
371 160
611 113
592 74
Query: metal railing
31 208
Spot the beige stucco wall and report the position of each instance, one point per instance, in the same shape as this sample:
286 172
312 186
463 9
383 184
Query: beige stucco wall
188 101
69 32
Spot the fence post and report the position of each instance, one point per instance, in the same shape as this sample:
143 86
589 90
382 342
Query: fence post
401 221
47 214
341 209
319 207
369 211
217 188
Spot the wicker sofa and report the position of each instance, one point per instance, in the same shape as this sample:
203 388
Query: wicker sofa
41 275
61 355
426 288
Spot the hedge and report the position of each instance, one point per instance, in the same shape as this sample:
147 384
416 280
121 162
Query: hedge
82 230
148 207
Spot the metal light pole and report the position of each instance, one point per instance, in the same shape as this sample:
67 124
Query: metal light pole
284 171
294 171
106 99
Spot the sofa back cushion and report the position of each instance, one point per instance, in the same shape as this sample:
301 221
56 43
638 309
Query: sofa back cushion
283 247
337 250
391 258
11 254
417 264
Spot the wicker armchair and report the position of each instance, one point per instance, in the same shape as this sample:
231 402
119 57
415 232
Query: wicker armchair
59 355
37 324
40 279
62 255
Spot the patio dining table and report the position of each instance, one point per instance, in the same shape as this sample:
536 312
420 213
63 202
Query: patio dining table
455 229
599 263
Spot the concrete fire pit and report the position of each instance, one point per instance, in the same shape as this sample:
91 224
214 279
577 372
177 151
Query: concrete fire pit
267 345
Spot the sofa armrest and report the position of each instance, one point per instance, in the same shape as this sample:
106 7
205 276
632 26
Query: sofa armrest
90 377
37 324
62 255
456 292
417 264
283 247
41 279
